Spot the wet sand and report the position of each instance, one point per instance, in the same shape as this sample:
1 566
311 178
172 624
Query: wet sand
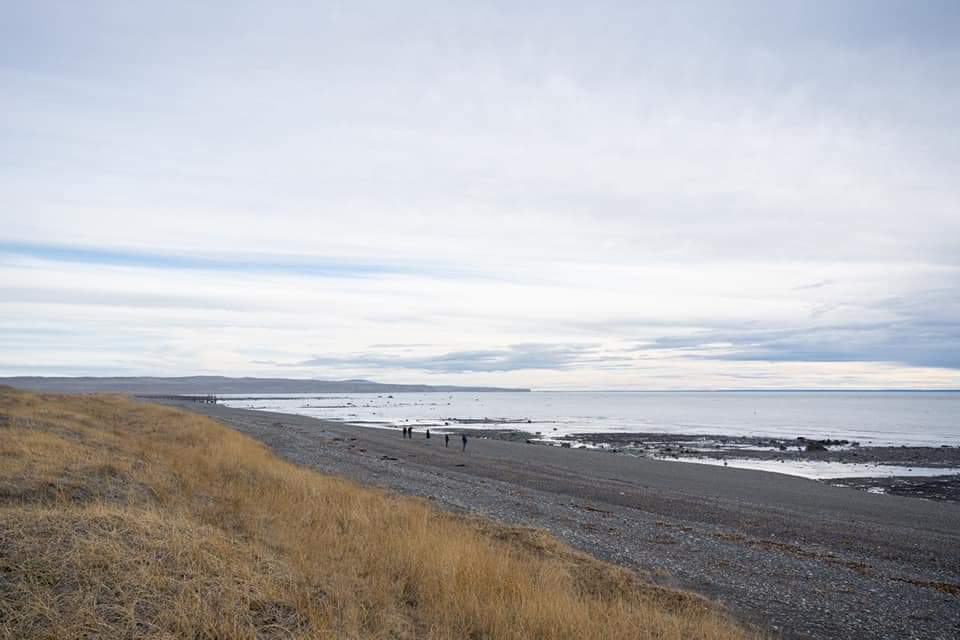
801 558
742 451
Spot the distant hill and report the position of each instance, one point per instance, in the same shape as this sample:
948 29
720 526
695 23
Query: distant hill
220 384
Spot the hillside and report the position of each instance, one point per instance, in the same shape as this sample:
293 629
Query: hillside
120 519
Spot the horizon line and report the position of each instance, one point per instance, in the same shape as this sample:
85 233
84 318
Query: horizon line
530 389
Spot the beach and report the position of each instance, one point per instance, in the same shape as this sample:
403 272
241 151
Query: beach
800 558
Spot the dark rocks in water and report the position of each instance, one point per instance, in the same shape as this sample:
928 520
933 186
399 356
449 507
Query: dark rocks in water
945 488
821 445
792 449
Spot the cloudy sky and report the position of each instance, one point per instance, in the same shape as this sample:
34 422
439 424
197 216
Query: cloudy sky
556 195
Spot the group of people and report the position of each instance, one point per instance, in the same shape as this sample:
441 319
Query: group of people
408 433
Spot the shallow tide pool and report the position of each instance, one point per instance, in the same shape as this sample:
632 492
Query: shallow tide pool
822 470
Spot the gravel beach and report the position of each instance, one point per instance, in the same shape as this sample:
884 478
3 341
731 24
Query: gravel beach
799 558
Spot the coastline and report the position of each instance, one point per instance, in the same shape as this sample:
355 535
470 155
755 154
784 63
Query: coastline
821 436
802 558
926 472
931 473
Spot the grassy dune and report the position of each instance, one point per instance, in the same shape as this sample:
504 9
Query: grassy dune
120 519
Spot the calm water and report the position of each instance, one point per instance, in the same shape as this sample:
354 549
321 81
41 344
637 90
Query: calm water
879 418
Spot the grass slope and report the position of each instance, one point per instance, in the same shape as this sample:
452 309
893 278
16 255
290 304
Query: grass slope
120 519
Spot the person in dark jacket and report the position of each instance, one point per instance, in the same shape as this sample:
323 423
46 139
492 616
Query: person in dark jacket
463 441
428 434
446 440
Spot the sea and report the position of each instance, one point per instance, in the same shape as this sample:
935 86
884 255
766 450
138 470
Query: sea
871 418
882 418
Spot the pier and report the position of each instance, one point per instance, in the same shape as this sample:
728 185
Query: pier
206 399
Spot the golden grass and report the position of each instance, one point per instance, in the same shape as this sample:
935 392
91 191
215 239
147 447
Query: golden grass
121 519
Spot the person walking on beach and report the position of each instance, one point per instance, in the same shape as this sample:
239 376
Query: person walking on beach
446 440
428 434
463 442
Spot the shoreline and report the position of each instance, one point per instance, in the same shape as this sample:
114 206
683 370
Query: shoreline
899 469
931 473
771 448
802 559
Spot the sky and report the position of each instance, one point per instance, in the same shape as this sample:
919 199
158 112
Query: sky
557 195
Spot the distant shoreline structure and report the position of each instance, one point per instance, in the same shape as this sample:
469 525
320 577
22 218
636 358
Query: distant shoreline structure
202 385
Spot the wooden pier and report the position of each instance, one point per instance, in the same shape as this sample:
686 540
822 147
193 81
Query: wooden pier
206 399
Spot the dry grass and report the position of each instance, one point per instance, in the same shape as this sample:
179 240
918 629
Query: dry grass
121 519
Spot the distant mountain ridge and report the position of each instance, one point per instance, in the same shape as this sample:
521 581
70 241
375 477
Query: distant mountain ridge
221 384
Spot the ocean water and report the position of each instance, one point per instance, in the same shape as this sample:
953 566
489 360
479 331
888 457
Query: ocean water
930 418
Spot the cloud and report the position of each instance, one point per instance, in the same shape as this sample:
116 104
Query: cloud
399 345
913 343
309 265
814 285
518 357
